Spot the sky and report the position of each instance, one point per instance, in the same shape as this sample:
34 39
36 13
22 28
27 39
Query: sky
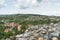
42 7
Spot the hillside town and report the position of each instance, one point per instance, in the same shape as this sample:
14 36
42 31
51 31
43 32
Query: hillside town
29 27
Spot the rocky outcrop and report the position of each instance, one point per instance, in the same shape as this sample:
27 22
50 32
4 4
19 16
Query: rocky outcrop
44 32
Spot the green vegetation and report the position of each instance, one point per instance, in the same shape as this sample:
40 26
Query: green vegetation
24 20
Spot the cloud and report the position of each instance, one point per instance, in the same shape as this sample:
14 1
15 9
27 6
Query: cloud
39 1
46 7
24 4
55 1
27 3
2 4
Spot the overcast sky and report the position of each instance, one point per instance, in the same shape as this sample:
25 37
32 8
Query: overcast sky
44 7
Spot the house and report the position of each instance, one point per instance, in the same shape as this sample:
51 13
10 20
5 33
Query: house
19 27
6 30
